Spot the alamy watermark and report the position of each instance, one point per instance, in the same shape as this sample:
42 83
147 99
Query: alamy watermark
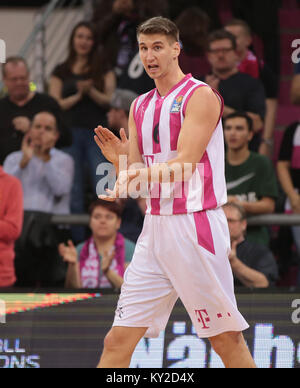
296 53
296 313
2 51
187 179
2 311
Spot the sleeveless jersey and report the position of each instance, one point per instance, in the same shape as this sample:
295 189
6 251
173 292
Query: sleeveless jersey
158 121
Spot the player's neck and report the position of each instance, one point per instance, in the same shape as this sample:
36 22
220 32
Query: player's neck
237 157
168 81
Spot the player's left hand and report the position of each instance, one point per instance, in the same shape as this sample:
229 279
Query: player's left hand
121 187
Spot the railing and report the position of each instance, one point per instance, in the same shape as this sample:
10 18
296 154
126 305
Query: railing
265 220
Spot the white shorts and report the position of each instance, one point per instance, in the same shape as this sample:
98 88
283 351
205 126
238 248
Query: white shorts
183 256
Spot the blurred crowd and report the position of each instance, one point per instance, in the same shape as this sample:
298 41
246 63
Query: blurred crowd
51 165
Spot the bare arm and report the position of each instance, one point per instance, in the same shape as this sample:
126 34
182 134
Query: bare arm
264 206
114 279
284 176
55 90
270 121
295 90
73 276
104 98
248 276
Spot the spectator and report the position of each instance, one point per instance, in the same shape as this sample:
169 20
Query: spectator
101 261
250 177
253 265
11 218
288 168
83 85
134 210
295 90
118 114
194 25
45 172
240 91
263 18
46 175
19 107
250 64
210 7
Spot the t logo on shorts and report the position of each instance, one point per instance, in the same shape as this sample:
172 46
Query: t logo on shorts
203 318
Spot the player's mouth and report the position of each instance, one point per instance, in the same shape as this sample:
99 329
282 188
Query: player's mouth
153 68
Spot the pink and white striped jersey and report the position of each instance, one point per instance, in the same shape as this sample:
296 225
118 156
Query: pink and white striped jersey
158 122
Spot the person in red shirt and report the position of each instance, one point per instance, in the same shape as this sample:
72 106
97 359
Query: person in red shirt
249 63
11 222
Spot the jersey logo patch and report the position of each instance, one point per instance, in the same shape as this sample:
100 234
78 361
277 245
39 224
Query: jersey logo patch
176 107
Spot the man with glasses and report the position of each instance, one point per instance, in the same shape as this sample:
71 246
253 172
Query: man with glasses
240 91
19 107
252 265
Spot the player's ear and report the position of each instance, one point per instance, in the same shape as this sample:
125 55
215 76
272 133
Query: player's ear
176 49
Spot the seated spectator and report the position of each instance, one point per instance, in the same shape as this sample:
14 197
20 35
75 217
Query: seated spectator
194 26
45 172
250 64
118 114
101 261
250 177
134 210
288 168
240 91
11 219
47 176
253 265
19 107
295 90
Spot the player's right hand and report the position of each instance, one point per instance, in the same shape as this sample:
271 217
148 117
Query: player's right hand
110 145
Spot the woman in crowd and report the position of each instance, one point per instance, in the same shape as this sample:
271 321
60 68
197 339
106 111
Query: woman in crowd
101 261
83 86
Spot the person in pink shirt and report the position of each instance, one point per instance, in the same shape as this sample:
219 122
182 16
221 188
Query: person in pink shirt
249 63
11 222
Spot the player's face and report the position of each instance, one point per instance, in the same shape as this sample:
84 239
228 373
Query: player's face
222 56
158 54
243 40
104 223
237 134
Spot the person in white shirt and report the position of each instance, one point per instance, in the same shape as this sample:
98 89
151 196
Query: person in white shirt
45 172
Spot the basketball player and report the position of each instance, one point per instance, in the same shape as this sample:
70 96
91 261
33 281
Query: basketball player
183 249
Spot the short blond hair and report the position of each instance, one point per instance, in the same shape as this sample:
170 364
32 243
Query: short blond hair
159 25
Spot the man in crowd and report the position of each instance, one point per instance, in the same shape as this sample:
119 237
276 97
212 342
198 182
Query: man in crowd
11 220
241 92
253 265
45 172
19 107
250 64
47 176
250 177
